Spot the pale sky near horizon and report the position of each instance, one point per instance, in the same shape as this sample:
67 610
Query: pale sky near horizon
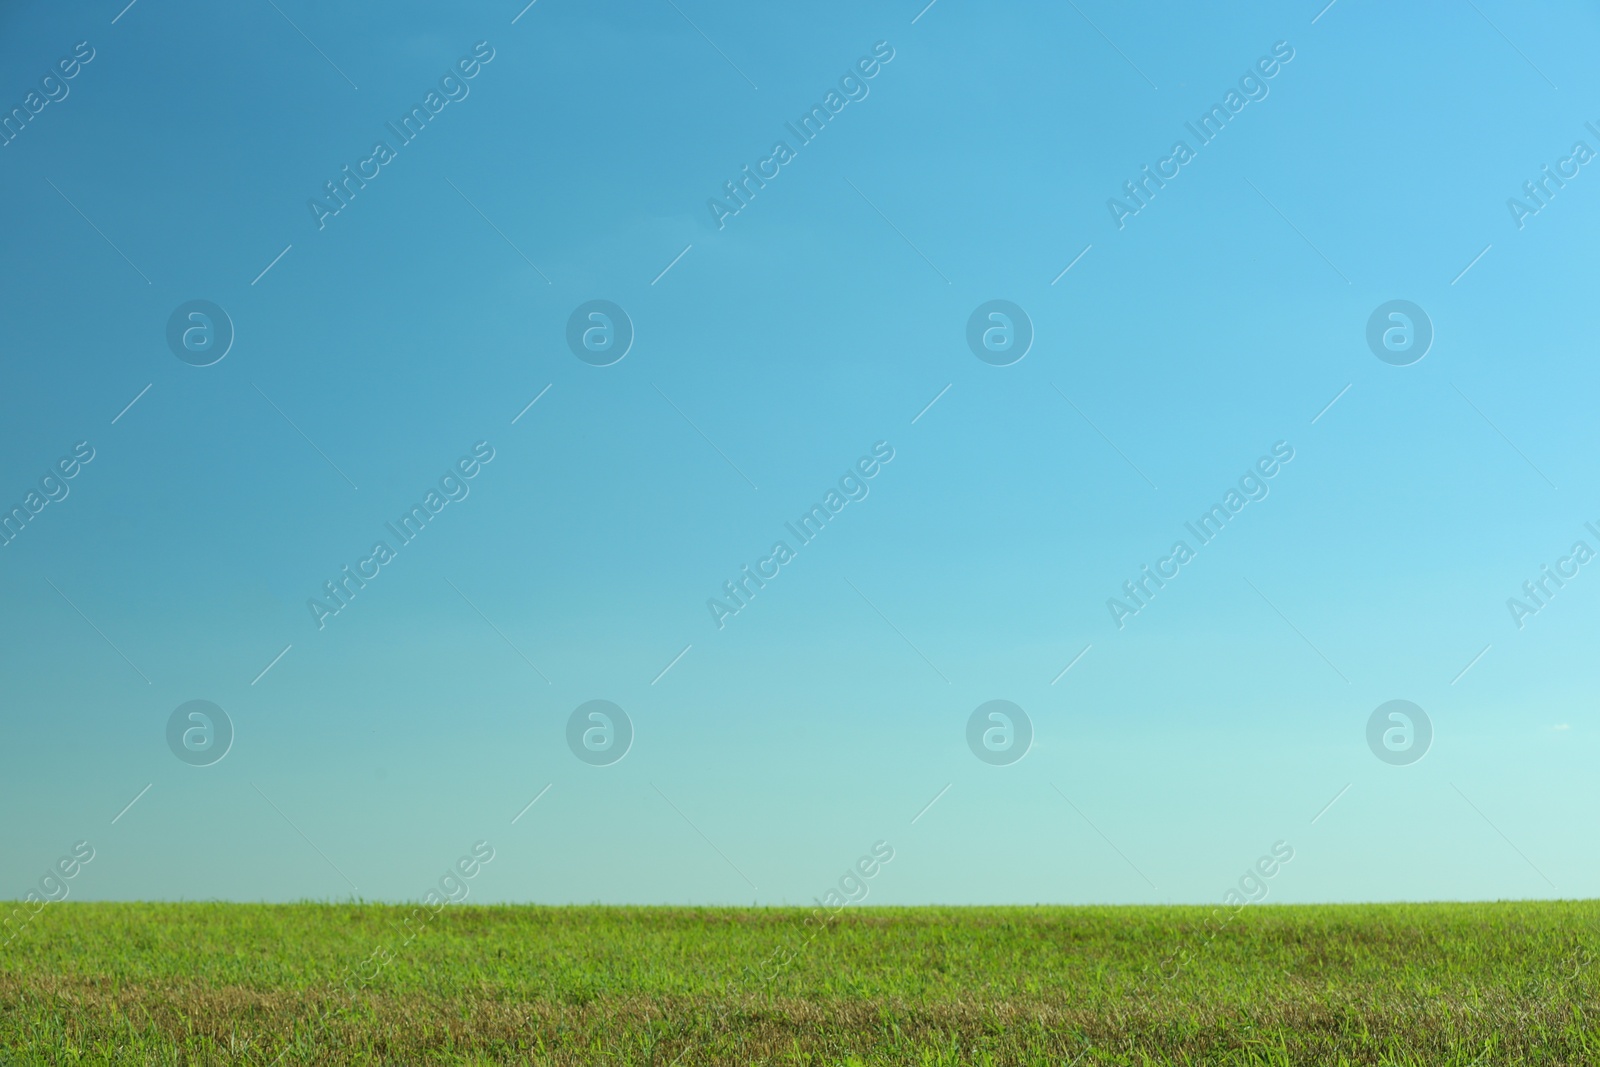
828 336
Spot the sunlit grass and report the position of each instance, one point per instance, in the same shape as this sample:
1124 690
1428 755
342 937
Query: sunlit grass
1445 984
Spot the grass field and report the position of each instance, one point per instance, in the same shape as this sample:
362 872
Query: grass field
1451 984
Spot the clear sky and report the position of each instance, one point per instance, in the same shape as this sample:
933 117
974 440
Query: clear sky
572 153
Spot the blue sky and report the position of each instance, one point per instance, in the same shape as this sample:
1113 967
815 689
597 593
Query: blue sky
374 351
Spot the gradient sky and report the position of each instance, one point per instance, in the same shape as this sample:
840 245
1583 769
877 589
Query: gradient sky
823 318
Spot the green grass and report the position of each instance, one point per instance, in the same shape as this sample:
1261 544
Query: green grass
1435 985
